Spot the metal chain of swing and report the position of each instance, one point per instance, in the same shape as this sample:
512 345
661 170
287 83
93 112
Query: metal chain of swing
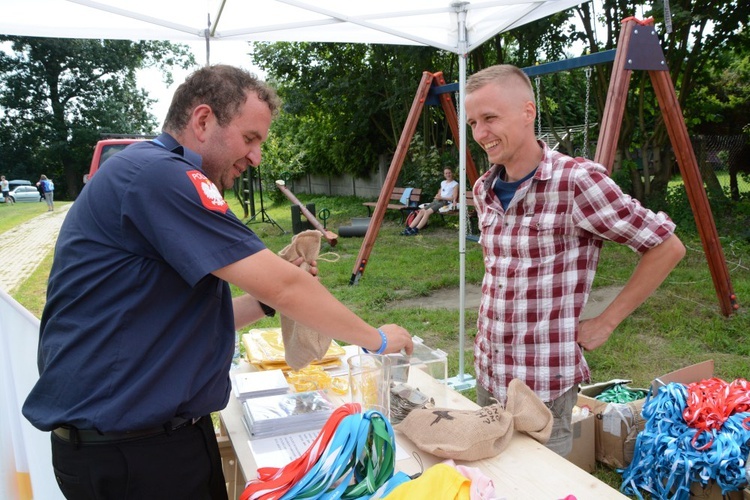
538 83
586 116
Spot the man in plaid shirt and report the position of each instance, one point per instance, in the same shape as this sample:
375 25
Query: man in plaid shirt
543 217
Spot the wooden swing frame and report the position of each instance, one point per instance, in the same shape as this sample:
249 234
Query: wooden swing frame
638 50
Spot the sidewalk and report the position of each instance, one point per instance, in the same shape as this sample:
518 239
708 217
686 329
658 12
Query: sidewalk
23 248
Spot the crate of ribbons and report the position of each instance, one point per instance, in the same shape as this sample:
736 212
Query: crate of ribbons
696 438
616 407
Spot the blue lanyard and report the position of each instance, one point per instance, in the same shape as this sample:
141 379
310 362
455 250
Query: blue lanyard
666 460
363 449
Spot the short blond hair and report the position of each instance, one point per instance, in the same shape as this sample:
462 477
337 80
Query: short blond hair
500 74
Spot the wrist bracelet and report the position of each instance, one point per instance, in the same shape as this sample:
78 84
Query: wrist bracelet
267 310
383 343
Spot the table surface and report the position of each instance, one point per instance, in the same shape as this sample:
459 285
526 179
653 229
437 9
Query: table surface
525 470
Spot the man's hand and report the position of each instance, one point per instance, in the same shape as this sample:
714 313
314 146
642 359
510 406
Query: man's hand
311 267
398 339
593 333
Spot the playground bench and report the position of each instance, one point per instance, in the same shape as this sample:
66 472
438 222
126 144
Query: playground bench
395 202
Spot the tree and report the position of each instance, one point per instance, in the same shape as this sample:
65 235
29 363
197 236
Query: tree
58 95
345 104
701 32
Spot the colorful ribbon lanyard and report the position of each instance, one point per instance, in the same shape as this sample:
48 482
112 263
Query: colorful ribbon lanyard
711 402
620 394
669 454
350 445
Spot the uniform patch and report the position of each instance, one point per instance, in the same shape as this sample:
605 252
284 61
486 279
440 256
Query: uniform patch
208 192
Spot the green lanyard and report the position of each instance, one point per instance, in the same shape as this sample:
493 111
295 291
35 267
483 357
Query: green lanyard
618 393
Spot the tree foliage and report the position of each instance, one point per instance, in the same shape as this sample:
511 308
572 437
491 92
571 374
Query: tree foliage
58 95
703 34
345 104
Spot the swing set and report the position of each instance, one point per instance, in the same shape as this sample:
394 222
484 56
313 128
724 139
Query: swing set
638 50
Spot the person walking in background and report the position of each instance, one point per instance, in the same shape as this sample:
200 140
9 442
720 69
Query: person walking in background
5 189
40 189
136 344
543 218
446 195
47 187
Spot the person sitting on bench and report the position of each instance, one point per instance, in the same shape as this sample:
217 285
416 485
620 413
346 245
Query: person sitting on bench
447 194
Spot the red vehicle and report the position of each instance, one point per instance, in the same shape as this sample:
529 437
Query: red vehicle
106 148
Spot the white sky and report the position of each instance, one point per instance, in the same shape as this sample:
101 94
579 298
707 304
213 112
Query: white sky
226 52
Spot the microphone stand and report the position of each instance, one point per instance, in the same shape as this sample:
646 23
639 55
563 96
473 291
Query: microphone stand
264 217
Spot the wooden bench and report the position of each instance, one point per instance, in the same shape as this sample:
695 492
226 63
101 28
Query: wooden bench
395 202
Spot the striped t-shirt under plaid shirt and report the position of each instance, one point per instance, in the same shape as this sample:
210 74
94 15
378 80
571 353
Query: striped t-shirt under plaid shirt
540 256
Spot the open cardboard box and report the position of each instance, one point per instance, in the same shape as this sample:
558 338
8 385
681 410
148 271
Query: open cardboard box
713 492
616 425
687 375
584 443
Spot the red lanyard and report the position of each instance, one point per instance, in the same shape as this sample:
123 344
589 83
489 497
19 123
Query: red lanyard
711 402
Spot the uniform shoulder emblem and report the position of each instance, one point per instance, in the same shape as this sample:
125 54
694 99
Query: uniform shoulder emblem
208 192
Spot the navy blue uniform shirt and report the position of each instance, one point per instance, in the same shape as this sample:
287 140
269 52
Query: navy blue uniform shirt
135 330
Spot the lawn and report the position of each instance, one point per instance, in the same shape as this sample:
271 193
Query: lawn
13 215
679 325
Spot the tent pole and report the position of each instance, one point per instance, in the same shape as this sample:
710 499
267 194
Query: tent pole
462 381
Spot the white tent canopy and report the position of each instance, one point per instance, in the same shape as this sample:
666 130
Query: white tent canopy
412 22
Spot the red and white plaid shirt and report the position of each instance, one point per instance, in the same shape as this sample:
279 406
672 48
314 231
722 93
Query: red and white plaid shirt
540 258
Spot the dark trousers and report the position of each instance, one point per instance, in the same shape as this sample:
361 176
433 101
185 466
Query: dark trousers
184 463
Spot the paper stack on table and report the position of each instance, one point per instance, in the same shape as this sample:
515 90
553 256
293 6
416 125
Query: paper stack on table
258 384
286 413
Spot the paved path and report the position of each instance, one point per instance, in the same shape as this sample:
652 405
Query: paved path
24 247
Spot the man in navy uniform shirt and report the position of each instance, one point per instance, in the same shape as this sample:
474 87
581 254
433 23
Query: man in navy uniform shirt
137 333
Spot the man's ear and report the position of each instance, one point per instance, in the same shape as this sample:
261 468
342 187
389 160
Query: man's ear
200 120
529 110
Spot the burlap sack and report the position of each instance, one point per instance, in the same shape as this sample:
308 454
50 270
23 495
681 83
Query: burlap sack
473 435
302 345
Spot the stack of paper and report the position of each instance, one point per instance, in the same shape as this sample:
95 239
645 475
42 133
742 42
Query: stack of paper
286 413
258 384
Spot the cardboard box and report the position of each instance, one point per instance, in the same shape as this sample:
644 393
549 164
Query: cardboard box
583 453
687 375
712 492
616 425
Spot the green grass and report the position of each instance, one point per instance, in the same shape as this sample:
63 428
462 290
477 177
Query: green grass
18 213
679 325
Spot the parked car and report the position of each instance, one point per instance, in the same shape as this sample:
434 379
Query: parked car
18 182
25 193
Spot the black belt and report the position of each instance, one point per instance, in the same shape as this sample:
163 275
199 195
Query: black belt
73 434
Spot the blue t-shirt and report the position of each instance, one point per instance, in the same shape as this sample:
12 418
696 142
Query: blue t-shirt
135 330
506 190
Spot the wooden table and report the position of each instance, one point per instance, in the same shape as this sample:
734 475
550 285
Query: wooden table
525 470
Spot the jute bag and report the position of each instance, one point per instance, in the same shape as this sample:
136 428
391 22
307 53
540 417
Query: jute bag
476 434
302 345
